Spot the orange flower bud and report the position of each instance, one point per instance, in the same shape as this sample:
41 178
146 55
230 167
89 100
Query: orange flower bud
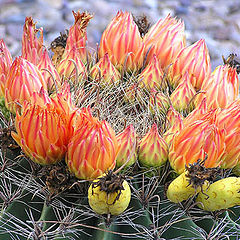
127 143
93 148
195 60
221 89
159 103
153 150
105 72
48 71
5 64
182 96
173 116
194 141
197 113
165 39
77 35
72 65
174 124
152 76
123 43
41 132
23 79
32 46
229 119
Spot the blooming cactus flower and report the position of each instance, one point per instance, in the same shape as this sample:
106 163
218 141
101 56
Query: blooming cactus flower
23 79
195 140
229 119
105 73
152 150
93 148
77 35
123 43
71 65
41 132
5 64
221 89
152 76
165 39
159 103
127 142
48 71
182 96
32 46
196 60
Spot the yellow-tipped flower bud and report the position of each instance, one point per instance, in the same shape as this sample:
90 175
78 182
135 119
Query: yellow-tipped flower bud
153 150
127 142
152 76
159 103
182 96
48 71
105 73
71 65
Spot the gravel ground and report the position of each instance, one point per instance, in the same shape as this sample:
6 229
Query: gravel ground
217 21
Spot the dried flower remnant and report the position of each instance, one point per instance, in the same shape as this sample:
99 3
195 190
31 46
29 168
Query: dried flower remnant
58 46
77 35
196 178
109 194
232 61
142 23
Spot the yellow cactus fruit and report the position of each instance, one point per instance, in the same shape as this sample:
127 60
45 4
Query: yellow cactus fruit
180 189
109 194
196 178
222 194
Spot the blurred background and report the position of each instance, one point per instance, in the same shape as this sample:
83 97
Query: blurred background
217 21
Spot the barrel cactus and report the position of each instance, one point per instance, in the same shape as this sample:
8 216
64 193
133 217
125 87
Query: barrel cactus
80 161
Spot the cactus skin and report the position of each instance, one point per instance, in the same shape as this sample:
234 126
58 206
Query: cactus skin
103 203
222 194
180 189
